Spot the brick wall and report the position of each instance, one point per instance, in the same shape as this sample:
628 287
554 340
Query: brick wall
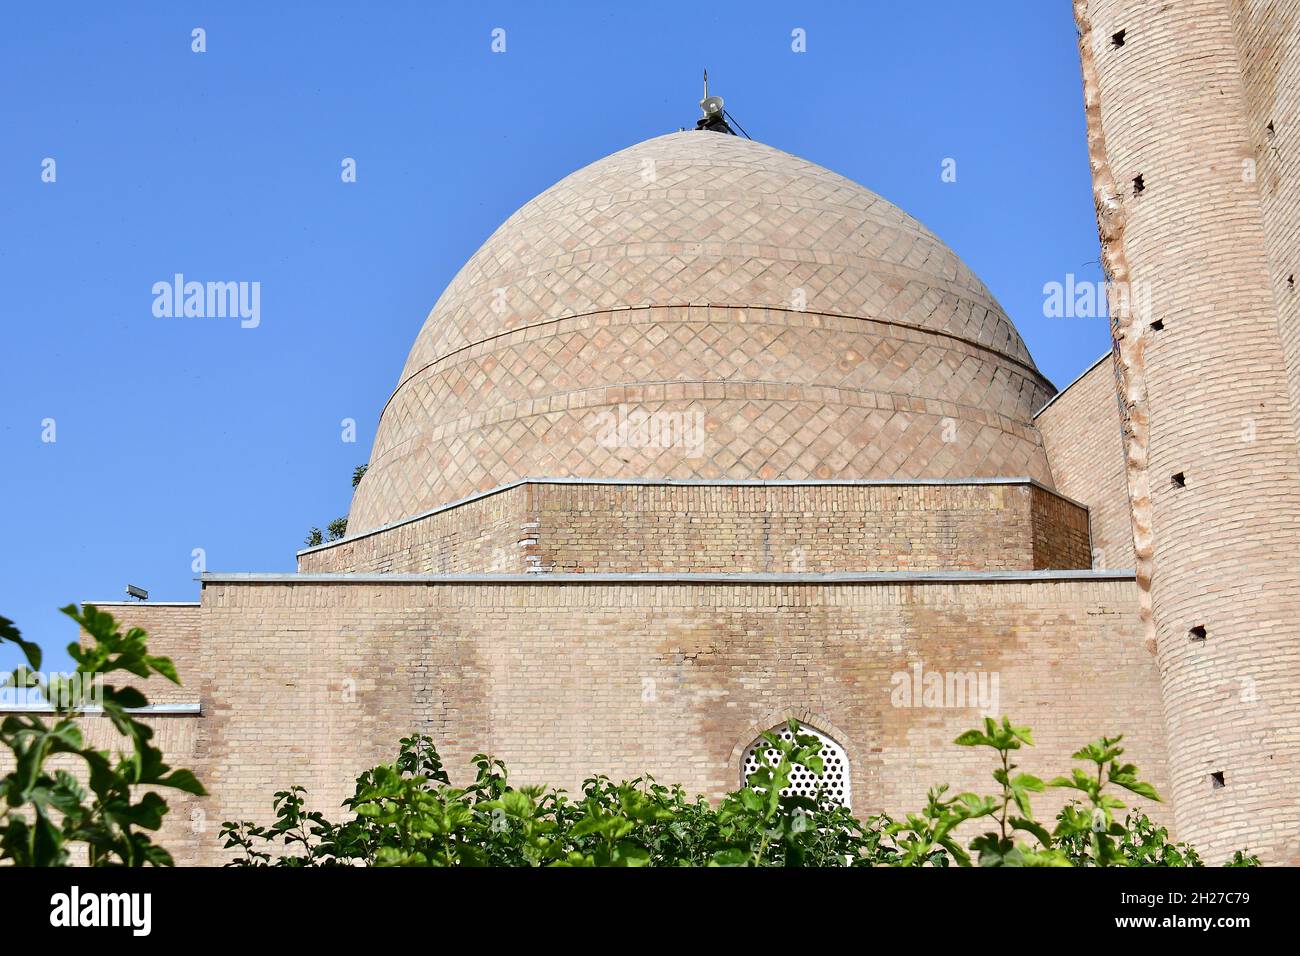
187 830
481 535
633 527
1060 531
1265 32
315 682
1081 433
175 631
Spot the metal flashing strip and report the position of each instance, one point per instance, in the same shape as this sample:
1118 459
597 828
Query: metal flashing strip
140 603
1077 379
651 577
194 709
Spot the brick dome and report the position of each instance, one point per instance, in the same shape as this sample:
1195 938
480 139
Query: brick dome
704 306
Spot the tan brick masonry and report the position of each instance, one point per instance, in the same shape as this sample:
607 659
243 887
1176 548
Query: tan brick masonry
1179 104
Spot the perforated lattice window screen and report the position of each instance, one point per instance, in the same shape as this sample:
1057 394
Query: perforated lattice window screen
803 782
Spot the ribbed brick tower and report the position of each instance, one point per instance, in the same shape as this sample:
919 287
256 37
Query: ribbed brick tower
1192 127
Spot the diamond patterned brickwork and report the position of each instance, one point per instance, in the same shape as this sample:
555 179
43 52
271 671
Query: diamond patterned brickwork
777 394
818 330
697 218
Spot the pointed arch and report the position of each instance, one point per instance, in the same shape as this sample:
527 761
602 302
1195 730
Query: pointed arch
834 783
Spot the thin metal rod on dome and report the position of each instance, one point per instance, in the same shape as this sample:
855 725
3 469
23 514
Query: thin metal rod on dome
714 118
732 120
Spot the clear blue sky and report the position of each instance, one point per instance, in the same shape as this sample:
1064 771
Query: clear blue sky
174 434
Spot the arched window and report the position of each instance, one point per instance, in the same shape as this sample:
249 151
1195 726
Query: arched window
834 781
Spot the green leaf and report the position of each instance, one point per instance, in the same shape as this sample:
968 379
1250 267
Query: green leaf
164 666
31 651
183 780
1034 827
730 857
630 854
1026 781
125 697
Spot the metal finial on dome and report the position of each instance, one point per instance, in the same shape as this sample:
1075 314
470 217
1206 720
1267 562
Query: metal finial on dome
714 118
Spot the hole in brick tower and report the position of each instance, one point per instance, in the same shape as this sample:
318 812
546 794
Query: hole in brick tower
1270 128
1178 480
1117 38
1158 325
1197 633
1216 780
1138 184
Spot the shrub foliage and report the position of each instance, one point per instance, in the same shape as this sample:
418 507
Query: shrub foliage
45 811
408 814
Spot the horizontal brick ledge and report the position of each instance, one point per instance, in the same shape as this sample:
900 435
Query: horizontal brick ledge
838 577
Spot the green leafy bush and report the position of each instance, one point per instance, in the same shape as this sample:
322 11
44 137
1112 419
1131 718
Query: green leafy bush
408 814
46 812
